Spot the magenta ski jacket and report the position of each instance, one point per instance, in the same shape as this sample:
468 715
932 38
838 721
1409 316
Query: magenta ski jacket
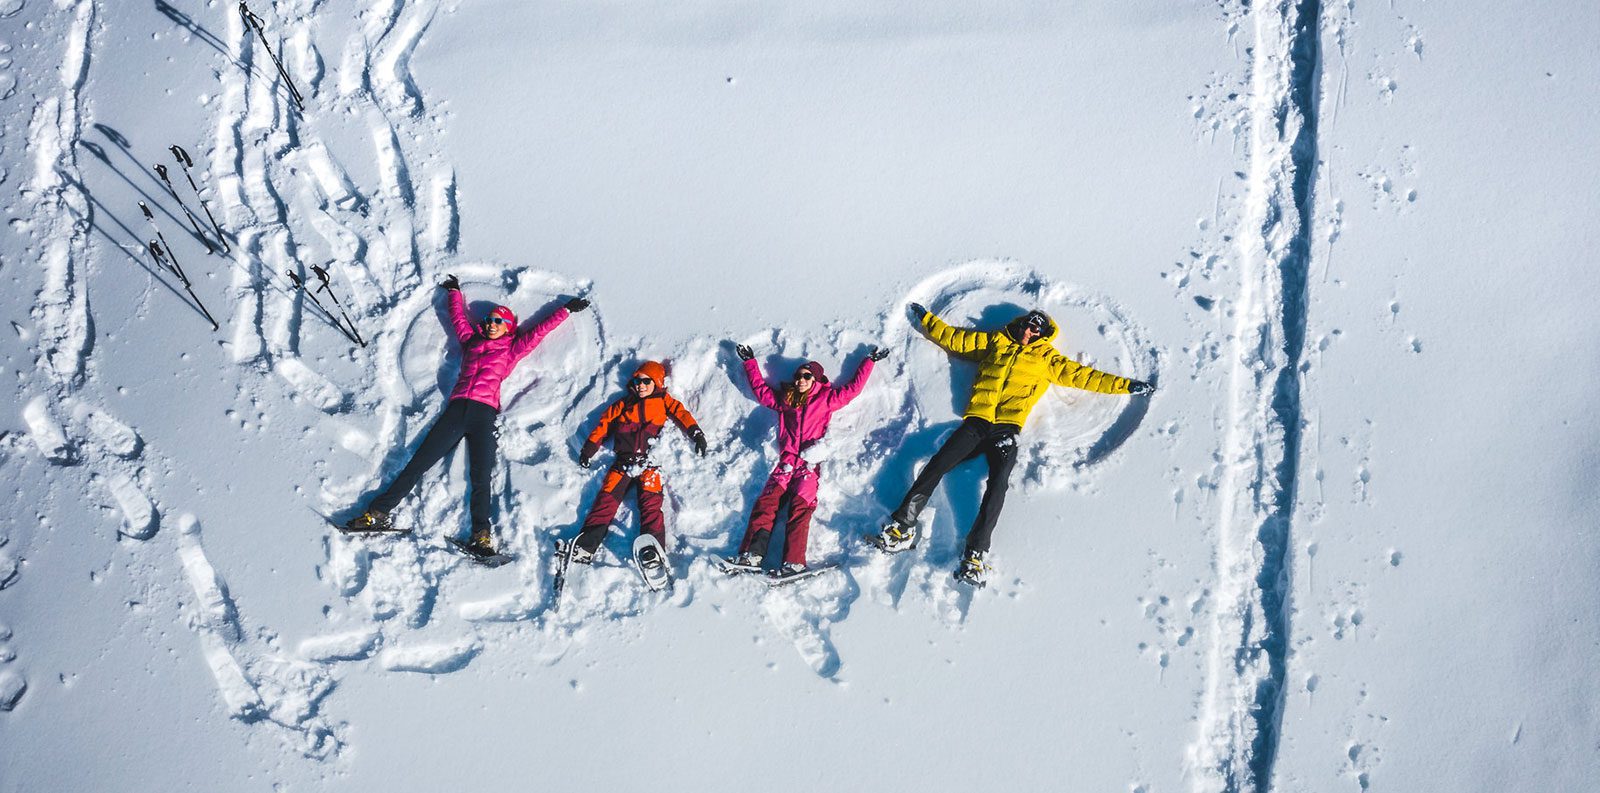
801 426
486 362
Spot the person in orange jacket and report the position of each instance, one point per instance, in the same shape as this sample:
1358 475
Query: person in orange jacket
633 423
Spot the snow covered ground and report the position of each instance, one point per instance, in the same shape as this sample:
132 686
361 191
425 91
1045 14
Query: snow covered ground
1347 544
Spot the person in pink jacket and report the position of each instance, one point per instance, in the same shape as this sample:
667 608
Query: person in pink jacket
488 354
805 405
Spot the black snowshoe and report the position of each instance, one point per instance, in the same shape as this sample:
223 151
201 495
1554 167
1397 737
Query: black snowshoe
371 522
480 549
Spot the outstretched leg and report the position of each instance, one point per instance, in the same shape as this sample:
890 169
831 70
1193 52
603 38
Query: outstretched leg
765 511
1001 452
441 438
958 447
605 506
650 497
802 503
483 443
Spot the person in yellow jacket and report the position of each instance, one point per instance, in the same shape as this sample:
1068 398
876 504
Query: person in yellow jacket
1016 366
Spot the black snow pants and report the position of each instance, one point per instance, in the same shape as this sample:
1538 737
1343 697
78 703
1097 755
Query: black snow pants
463 418
995 442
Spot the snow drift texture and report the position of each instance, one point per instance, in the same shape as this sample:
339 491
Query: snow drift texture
1344 545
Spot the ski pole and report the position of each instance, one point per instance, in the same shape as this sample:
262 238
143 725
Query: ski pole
161 255
255 22
183 159
322 275
151 216
161 171
300 284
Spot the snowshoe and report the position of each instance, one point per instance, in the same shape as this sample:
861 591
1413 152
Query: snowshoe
371 522
650 559
746 562
973 571
480 551
894 538
568 553
793 571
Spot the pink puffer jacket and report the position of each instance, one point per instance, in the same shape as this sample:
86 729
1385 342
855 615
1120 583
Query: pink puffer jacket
486 362
800 426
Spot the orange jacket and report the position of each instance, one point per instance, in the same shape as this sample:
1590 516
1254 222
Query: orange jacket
633 423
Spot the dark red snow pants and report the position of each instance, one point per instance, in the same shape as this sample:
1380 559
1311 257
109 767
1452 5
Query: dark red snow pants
795 480
612 491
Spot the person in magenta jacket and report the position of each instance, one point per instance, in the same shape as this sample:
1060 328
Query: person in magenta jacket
805 406
488 354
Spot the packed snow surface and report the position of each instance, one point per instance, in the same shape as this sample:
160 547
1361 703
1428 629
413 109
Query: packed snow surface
1346 545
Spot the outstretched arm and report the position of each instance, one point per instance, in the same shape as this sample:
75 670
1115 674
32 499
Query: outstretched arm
458 316
841 395
758 385
686 422
591 446
526 340
680 414
961 341
1067 372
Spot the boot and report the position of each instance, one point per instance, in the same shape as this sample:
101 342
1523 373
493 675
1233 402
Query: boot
973 571
481 543
370 521
895 537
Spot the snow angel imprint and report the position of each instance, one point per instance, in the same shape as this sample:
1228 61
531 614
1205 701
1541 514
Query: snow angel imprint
488 354
805 405
1016 365
632 424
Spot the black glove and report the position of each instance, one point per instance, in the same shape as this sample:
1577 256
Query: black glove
918 310
877 354
586 455
698 438
584 462
577 304
1139 387
450 282
744 351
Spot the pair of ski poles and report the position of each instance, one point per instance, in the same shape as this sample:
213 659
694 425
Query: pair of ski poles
184 160
168 260
325 285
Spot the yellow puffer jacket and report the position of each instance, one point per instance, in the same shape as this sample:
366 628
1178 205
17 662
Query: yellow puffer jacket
1012 376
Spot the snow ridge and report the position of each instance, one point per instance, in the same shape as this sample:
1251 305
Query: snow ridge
1242 712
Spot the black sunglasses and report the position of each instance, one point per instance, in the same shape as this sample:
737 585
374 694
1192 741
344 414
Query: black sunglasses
805 376
641 381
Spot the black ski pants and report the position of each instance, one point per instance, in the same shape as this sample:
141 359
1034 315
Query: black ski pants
463 418
996 443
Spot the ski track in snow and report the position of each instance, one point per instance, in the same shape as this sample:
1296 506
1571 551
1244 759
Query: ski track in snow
1241 712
